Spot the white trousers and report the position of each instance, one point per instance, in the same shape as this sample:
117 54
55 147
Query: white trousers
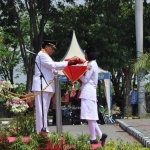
41 116
94 129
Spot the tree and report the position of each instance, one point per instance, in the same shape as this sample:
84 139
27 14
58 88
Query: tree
113 34
10 56
28 18
110 26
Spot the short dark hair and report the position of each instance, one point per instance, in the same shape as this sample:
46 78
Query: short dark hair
91 52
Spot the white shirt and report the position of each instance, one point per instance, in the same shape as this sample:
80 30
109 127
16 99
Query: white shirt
47 66
89 82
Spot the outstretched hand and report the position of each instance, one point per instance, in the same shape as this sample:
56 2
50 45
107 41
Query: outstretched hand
71 62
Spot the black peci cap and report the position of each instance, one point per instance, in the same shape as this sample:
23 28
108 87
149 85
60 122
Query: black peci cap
52 43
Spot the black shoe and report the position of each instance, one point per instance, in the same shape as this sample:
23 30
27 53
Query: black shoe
103 139
94 141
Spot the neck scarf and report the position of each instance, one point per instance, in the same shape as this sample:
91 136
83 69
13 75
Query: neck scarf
44 51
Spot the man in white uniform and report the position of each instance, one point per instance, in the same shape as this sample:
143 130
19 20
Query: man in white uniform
88 96
45 64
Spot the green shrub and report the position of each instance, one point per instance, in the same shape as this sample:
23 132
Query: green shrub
66 142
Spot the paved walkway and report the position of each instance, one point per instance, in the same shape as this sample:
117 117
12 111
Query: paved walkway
138 128
114 131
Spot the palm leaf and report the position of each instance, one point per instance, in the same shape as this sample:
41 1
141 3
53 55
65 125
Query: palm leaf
143 62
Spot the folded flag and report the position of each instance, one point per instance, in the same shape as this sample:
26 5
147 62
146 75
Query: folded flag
73 73
76 60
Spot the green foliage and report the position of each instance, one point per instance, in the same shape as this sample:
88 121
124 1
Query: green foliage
82 142
54 137
2 99
20 89
22 124
69 139
143 62
120 145
10 55
147 87
83 146
34 141
19 145
83 137
40 141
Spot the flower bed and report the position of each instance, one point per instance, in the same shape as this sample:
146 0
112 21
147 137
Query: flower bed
64 142
45 142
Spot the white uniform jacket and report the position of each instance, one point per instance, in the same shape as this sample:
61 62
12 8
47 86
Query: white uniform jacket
89 82
47 66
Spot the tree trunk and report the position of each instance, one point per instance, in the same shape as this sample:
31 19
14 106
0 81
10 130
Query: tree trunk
128 78
36 35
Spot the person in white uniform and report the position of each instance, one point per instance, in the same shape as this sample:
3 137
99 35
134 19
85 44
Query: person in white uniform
88 96
45 64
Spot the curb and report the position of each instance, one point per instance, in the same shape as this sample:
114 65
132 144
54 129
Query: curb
144 140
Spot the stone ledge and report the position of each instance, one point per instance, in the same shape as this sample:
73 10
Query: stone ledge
135 133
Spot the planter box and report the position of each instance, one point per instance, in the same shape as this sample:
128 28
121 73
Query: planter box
95 146
24 139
